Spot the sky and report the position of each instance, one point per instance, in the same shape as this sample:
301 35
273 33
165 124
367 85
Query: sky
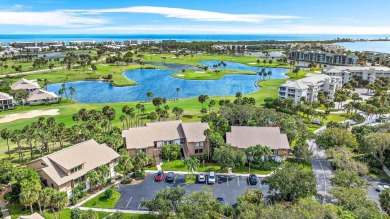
194 17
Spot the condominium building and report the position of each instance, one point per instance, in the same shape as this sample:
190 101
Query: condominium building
65 169
309 87
151 137
6 101
82 43
24 84
323 57
131 42
369 73
322 46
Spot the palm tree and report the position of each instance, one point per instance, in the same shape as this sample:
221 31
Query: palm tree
177 93
45 198
202 99
17 137
192 164
150 95
6 135
138 107
60 201
122 118
72 91
269 73
211 105
28 197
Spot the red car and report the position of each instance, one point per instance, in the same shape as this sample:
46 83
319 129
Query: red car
159 176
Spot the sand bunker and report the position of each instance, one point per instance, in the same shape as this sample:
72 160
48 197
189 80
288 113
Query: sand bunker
180 75
252 63
200 72
29 115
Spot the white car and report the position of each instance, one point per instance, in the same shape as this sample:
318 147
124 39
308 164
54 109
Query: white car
212 177
382 187
201 177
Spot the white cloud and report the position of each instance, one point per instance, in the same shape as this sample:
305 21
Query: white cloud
55 18
197 15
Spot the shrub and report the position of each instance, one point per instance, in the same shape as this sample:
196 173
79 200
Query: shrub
109 76
375 170
74 200
108 193
139 175
119 177
127 181
108 180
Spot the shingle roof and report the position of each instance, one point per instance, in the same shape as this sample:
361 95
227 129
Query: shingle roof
247 136
24 84
194 131
5 96
41 95
145 136
90 153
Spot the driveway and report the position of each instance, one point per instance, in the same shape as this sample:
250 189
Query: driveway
226 187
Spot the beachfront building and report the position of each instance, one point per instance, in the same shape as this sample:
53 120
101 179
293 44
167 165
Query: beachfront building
247 136
65 169
369 73
323 57
379 57
40 96
309 87
151 137
333 48
24 84
6 101
131 42
32 49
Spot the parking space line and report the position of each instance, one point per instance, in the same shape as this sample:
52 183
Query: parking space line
129 201
238 181
174 181
140 202
227 180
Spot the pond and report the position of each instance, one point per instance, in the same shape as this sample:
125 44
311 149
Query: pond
162 84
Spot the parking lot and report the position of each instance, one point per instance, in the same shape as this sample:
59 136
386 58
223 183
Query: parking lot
226 187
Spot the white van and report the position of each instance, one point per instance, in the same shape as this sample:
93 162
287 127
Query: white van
211 177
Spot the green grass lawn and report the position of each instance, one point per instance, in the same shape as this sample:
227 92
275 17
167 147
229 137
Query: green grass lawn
101 201
209 75
190 178
382 176
16 210
66 214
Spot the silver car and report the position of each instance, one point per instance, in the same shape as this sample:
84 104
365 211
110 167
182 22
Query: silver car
201 177
212 177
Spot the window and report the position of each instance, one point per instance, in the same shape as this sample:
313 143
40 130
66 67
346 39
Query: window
141 150
198 151
73 170
199 144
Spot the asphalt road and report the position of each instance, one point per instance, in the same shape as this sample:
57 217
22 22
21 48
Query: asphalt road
226 187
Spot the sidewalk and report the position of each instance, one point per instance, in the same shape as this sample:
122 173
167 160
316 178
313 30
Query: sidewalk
116 210
218 174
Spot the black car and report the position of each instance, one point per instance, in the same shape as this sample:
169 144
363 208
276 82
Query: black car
170 177
220 200
252 179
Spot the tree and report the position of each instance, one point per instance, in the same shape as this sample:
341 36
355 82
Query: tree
150 95
202 99
292 182
94 178
199 205
301 150
178 112
192 164
29 193
171 151
384 199
228 156
353 199
60 201
165 201
45 197
177 93
6 135
377 143
258 152
336 137
348 179
125 165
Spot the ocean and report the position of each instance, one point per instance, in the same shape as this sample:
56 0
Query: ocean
5 39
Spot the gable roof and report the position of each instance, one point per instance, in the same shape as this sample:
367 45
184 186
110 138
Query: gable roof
194 131
5 96
24 84
247 136
145 136
40 94
89 153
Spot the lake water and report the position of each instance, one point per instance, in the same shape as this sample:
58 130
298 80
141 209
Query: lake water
162 84
377 46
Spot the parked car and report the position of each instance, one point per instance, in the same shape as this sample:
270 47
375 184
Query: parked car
220 200
201 177
382 187
252 179
170 177
212 177
159 176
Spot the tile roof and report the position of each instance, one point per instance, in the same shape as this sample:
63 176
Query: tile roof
89 153
24 84
247 136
